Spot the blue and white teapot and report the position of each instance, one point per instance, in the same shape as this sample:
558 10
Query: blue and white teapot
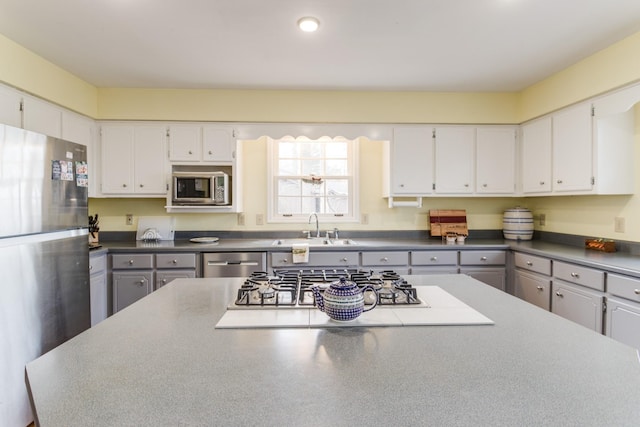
343 300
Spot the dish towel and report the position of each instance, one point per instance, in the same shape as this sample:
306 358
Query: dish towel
300 252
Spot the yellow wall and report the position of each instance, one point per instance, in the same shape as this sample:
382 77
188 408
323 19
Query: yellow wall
31 73
613 67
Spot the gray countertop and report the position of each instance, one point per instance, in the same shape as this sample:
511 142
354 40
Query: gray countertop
161 362
618 262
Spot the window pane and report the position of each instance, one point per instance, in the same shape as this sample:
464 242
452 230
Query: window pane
337 167
288 167
336 150
287 149
315 188
338 205
337 187
289 205
310 149
312 204
289 187
312 167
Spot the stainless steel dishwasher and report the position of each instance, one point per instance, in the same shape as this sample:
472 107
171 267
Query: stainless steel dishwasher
232 264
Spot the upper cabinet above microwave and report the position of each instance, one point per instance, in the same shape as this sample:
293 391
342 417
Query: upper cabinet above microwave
192 143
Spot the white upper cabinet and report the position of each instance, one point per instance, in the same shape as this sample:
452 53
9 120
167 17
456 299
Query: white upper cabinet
194 143
134 160
455 159
218 144
572 149
409 162
10 107
185 143
496 160
535 156
41 116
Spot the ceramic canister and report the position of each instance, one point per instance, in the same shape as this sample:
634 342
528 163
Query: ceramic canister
517 224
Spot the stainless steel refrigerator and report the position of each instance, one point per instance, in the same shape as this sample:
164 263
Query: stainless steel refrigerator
44 256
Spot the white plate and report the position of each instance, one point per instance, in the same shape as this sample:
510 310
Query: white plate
204 239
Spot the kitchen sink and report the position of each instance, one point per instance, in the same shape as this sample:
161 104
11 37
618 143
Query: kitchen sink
314 241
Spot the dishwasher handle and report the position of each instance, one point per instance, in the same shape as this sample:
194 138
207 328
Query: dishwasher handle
222 263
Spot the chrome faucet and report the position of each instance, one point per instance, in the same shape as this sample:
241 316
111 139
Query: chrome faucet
317 223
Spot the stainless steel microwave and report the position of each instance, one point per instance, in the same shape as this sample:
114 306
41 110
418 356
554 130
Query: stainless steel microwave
200 188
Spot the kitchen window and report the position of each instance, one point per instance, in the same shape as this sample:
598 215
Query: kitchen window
308 176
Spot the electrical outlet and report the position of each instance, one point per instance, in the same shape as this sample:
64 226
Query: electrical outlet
259 219
543 219
129 219
365 219
618 224
240 219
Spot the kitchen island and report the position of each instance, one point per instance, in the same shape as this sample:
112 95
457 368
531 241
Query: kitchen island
161 362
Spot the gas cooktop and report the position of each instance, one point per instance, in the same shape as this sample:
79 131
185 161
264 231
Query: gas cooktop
290 288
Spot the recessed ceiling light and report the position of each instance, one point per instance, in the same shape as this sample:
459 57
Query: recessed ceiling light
308 24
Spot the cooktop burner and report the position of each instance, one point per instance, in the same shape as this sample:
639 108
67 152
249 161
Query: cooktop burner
292 288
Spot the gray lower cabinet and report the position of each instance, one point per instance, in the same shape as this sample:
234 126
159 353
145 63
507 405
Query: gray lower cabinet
578 294
130 286
533 288
623 309
379 261
99 297
337 259
532 279
486 266
577 303
135 275
434 262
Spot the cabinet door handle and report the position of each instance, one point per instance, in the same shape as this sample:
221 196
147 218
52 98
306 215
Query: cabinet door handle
434 258
284 260
558 293
529 263
484 258
559 181
190 152
124 185
384 259
141 185
541 182
175 261
141 282
343 260
210 152
484 185
466 185
636 291
575 275
130 262
540 288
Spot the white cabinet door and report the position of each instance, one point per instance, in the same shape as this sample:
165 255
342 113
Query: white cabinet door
573 149
117 159
496 160
623 321
578 304
535 159
185 143
134 160
10 107
150 160
455 160
411 161
217 144
41 116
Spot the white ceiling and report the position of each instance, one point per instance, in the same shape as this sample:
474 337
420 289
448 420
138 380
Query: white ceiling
431 45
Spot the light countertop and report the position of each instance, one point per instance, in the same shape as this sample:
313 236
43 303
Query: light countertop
161 362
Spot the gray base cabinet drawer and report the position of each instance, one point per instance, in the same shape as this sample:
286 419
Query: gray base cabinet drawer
533 263
132 261
434 258
176 260
625 287
381 259
579 275
483 257
316 259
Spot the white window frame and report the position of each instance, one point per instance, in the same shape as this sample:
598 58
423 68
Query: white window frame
353 212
